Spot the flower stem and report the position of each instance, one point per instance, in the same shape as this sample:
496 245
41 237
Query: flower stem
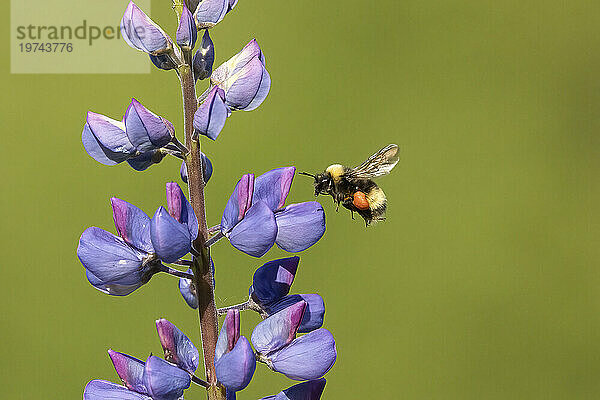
203 277
177 273
242 306
214 239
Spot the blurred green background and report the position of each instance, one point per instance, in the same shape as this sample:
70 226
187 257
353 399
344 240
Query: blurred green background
482 284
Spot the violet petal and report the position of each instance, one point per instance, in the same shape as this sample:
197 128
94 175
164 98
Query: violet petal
229 334
210 12
247 88
235 369
171 240
313 314
204 58
307 357
310 390
272 280
110 133
180 209
145 160
256 233
133 225
210 116
186 31
103 390
237 62
207 169
140 32
278 330
300 226
164 381
146 130
178 348
239 202
188 292
273 187
98 151
130 370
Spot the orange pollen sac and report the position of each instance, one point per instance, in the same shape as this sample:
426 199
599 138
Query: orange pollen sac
360 201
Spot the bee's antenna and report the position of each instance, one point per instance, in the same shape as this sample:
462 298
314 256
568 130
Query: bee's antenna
307 174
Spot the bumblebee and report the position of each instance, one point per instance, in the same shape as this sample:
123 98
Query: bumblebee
354 187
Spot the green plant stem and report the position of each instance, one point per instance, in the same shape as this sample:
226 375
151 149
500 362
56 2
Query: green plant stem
203 276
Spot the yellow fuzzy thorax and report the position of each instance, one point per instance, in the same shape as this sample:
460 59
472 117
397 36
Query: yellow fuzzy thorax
336 170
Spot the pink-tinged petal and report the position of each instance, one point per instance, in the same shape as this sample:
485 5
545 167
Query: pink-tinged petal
313 314
239 203
171 240
130 370
104 390
210 12
141 33
164 381
273 187
229 334
178 348
300 226
210 116
307 357
278 330
133 225
247 88
235 369
256 233
181 209
110 133
186 31
146 130
272 281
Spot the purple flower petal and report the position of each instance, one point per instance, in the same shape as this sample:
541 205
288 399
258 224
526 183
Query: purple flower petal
146 130
229 334
310 390
111 134
110 261
164 381
98 151
273 187
133 225
204 58
186 31
210 116
210 12
232 4
180 209
163 61
272 281
145 160
171 240
256 233
130 370
239 202
188 291
113 289
237 62
278 330
307 357
141 33
104 390
178 348
313 314
207 169
247 88
300 226
235 369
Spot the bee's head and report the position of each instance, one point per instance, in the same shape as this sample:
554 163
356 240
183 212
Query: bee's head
323 182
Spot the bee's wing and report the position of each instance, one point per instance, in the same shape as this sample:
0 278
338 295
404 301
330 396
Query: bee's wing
379 164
